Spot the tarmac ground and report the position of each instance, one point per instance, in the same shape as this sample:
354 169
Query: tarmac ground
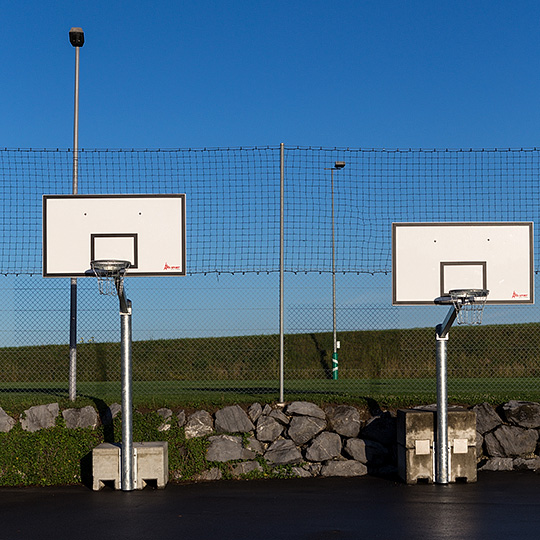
499 506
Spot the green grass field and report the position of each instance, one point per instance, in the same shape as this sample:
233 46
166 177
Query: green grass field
387 392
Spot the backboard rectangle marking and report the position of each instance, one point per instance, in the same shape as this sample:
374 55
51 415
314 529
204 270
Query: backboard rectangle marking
126 245
463 275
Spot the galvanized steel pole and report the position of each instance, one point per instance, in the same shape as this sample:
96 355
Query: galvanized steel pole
76 126
127 480
441 442
76 38
281 276
335 365
442 466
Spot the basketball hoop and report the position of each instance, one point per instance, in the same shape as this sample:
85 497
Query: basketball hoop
469 305
110 276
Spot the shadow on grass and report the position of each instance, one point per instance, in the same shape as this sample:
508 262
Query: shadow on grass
322 357
105 415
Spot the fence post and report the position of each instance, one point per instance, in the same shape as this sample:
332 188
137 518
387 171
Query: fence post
281 273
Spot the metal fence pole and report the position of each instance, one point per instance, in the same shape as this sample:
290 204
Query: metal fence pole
281 276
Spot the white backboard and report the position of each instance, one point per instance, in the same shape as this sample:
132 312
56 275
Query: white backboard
147 230
429 259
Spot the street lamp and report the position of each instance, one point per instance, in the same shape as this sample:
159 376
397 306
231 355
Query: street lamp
337 166
76 38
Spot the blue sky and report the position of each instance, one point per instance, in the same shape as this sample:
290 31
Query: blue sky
345 73
386 74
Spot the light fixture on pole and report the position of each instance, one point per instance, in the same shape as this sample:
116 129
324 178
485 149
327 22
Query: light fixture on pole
76 38
335 364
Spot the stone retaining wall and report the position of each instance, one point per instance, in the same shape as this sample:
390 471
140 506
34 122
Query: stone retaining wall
314 441
507 437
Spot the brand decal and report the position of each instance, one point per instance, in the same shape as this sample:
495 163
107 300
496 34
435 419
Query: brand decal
169 267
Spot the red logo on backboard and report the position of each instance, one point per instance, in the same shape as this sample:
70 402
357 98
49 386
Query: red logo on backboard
168 267
516 295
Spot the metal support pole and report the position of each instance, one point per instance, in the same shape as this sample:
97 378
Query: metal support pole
76 126
335 372
73 341
127 403
281 277
73 290
335 363
441 442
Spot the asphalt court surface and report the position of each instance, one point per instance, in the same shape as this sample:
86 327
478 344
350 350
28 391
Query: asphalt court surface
500 505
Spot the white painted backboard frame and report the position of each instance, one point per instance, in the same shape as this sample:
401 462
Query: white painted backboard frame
429 259
147 230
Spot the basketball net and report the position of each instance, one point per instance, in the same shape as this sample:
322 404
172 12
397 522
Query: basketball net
110 276
469 305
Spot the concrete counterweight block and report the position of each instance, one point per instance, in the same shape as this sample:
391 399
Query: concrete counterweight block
151 464
462 442
106 465
416 438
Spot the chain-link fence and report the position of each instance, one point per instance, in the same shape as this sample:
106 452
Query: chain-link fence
215 331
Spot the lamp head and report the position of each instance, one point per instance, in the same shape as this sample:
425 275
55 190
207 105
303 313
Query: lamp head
339 165
76 37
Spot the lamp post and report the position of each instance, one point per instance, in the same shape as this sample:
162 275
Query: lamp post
76 38
335 365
